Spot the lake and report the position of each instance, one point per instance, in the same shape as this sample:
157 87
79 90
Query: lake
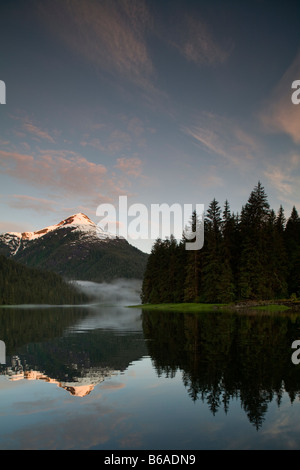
111 377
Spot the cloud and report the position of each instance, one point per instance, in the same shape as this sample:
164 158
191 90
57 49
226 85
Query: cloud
123 135
194 40
94 143
116 142
63 170
284 178
224 137
130 166
27 127
36 204
66 174
108 34
135 126
279 114
37 132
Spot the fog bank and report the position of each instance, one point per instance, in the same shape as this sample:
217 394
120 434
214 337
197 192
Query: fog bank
118 292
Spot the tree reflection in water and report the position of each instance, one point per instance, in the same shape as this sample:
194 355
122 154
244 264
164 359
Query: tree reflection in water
223 356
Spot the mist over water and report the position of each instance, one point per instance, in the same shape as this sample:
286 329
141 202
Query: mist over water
106 308
118 292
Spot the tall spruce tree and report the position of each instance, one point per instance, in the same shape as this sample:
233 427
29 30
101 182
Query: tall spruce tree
252 283
193 268
212 264
227 255
292 240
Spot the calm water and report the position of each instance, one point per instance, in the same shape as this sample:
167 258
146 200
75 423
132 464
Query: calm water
118 378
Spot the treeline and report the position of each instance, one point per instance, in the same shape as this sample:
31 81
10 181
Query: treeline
22 285
254 255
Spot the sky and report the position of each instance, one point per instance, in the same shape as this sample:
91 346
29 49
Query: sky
165 102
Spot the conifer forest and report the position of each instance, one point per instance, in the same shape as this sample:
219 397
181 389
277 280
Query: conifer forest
251 255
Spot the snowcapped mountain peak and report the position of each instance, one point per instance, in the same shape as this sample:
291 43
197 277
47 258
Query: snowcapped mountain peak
78 222
82 223
76 248
77 219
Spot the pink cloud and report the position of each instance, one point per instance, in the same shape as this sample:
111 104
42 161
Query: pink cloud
130 166
284 178
95 143
37 132
34 203
225 138
28 127
66 174
62 170
279 114
111 35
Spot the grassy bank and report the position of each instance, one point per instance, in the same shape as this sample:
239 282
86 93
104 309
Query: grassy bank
190 307
271 306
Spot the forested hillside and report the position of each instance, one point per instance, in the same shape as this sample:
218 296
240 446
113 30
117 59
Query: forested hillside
22 285
66 253
254 255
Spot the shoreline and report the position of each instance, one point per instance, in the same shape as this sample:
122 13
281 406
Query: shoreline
268 305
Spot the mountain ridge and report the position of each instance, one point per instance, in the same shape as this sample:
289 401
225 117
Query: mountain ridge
77 249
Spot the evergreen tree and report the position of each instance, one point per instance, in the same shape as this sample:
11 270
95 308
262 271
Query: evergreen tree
252 267
292 240
193 266
151 280
256 212
228 255
212 265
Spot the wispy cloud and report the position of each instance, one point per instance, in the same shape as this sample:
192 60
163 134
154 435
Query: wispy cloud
63 170
124 136
279 114
93 142
37 132
68 174
130 166
195 41
40 205
109 34
27 128
223 137
283 176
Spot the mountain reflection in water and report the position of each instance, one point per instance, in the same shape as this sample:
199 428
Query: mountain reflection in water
76 348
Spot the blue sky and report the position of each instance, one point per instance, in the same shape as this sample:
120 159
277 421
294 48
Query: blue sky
162 101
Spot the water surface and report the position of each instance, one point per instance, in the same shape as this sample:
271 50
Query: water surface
109 377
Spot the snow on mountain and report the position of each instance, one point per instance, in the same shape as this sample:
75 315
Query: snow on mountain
77 222
77 249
